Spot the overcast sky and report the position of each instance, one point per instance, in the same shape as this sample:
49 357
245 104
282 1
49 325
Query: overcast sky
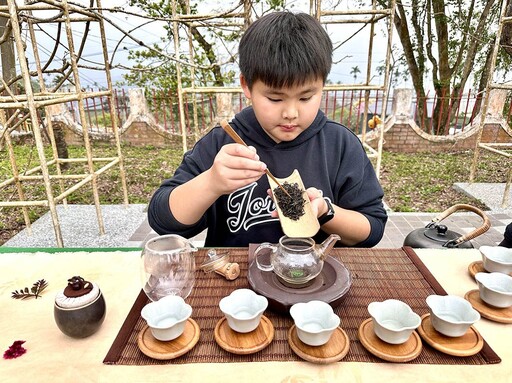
352 53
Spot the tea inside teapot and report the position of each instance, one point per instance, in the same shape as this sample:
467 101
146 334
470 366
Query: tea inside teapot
295 261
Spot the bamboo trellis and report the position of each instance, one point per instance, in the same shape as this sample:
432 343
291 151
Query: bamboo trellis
504 149
367 16
31 103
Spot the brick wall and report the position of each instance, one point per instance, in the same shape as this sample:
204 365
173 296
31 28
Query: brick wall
401 132
138 133
406 138
400 137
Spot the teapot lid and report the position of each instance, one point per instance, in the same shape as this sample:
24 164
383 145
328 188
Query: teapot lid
77 293
215 260
440 233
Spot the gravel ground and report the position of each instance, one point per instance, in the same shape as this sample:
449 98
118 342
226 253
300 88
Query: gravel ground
490 194
79 226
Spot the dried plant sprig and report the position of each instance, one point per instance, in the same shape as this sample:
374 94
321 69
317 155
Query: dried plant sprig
35 291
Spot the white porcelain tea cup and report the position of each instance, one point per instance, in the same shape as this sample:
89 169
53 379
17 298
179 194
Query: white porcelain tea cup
393 320
495 289
315 322
167 317
497 259
451 315
243 309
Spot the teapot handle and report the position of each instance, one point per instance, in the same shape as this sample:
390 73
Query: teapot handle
264 266
463 238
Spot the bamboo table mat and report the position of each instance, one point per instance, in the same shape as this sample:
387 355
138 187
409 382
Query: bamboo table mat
377 274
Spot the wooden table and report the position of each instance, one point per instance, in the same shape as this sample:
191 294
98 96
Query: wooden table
54 356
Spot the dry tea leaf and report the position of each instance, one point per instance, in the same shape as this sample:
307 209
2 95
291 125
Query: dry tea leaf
291 206
305 223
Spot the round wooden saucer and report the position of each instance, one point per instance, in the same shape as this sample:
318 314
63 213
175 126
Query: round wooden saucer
496 314
333 351
476 267
399 353
157 349
466 345
244 343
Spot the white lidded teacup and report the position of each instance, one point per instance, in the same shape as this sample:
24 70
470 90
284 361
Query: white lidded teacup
393 320
315 322
243 309
496 259
167 317
451 315
495 289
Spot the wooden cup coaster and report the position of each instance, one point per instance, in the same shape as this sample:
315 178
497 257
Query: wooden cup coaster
244 343
466 345
478 267
496 314
333 351
164 350
398 353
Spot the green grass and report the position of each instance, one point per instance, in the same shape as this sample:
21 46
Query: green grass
424 182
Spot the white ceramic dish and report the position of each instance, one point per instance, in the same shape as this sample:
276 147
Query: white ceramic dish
315 322
495 289
497 259
167 317
393 320
243 309
451 315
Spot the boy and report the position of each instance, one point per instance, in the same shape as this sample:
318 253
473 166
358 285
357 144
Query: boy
220 185
507 237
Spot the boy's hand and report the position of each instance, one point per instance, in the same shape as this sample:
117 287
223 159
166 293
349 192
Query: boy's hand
235 166
318 204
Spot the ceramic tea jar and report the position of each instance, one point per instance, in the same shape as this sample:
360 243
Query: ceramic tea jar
79 309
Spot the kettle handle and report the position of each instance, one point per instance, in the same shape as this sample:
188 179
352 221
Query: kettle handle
463 238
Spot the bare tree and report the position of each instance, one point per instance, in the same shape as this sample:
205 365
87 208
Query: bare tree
448 40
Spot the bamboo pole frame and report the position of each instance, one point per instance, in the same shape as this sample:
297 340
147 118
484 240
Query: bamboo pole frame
49 170
483 113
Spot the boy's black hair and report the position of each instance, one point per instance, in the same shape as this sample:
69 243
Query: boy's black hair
285 49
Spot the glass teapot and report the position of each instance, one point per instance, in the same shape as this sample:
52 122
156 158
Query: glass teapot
295 261
168 267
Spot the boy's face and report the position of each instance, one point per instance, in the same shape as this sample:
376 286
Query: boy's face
284 113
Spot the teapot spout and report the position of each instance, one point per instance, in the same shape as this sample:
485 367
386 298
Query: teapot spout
190 248
328 244
186 246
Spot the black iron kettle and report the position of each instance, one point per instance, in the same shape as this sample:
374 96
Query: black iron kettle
435 235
